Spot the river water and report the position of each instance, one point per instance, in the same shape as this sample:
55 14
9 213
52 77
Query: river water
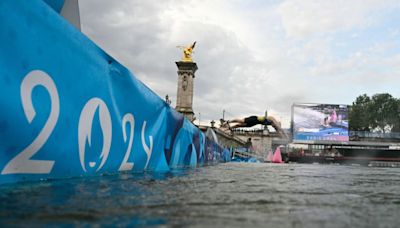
224 195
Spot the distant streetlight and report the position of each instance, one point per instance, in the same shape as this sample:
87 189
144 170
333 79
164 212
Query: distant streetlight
199 118
212 123
167 99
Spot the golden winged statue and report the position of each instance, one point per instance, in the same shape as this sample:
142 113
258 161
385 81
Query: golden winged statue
187 52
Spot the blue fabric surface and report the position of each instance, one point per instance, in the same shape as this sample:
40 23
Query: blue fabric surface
69 109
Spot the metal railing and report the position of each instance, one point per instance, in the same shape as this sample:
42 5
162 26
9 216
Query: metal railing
366 134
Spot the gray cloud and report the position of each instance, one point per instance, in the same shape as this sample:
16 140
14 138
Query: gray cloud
250 58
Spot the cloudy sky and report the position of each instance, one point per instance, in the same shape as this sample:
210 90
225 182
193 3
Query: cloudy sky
255 54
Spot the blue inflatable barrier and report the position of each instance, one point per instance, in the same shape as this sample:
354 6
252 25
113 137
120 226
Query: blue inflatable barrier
69 109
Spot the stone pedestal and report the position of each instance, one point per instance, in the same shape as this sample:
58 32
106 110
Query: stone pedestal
184 101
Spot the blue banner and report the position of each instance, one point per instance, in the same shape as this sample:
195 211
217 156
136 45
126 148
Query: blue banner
69 109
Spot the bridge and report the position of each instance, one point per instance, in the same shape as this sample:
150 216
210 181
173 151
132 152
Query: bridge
367 146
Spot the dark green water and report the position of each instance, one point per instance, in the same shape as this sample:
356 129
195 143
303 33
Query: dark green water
225 195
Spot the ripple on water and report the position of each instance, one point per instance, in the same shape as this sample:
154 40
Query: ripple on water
231 194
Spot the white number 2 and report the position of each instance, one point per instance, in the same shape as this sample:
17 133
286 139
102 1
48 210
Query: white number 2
22 163
128 118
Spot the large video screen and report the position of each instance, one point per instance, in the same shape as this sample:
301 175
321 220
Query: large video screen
320 122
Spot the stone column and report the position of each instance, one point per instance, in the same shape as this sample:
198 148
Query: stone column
184 101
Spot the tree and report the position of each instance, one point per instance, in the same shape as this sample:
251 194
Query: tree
383 111
396 120
379 112
359 118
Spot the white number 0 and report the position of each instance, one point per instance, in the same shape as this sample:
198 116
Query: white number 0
22 163
85 130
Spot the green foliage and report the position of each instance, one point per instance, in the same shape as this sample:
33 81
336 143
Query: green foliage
358 116
379 112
